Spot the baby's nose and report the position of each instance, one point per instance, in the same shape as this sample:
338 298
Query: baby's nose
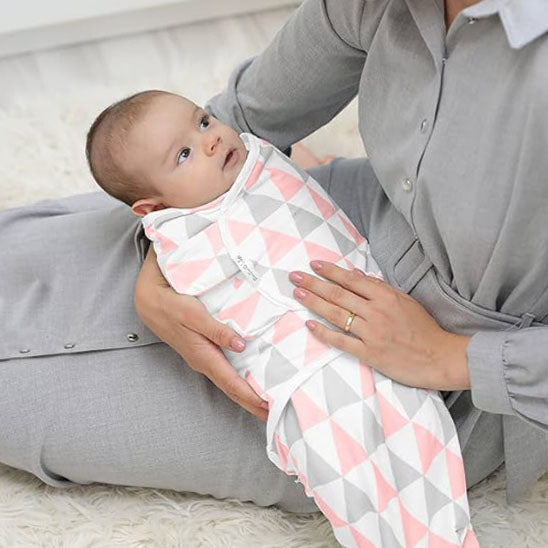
211 143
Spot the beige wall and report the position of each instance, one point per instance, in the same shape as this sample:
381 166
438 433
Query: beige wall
37 24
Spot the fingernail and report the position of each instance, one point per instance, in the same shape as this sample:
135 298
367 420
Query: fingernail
310 325
295 277
359 271
299 293
264 405
315 265
237 344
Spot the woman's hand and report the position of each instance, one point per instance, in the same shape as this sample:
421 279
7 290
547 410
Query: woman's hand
390 332
306 159
183 323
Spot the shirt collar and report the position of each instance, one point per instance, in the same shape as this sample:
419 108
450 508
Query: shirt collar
523 20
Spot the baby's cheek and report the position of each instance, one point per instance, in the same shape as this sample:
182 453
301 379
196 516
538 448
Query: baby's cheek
231 180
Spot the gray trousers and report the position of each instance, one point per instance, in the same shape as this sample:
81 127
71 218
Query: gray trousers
141 417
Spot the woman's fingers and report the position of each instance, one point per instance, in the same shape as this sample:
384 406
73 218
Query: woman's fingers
327 159
343 342
206 358
346 291
367 285
157 303
237 389
319 300
331 300
203 355
223 375
195 316
305 158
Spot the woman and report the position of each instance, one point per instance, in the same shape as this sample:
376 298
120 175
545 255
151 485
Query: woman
451 202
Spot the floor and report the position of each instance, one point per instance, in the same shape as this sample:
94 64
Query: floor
47 101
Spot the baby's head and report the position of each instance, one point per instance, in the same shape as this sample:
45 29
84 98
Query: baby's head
156 149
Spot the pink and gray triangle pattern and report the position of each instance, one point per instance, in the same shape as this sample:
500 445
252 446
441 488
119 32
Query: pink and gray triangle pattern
381 460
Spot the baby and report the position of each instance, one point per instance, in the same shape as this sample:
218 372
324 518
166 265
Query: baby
152 151
230 216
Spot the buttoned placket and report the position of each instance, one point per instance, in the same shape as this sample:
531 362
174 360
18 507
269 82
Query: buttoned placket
408 184
131 337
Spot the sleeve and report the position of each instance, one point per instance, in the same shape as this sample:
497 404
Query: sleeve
306 76
509 373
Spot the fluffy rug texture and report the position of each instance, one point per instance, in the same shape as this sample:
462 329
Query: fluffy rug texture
42 131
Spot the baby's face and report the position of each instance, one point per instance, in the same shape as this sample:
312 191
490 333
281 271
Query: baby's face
187 157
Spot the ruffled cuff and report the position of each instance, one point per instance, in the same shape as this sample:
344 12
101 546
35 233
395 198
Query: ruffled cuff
486 369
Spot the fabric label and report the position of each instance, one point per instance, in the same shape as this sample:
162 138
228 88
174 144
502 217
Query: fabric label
247 270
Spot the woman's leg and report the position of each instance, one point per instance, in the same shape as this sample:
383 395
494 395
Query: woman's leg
137 417
119 412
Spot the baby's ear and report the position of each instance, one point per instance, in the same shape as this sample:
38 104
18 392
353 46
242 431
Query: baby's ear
142 207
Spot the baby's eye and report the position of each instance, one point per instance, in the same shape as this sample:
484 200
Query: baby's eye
205 120
183 155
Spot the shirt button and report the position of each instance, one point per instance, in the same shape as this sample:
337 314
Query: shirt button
68 346
444 60
132 337
424 125
24 351
407 185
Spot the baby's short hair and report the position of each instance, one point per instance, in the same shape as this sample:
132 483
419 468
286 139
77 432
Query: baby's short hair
105 139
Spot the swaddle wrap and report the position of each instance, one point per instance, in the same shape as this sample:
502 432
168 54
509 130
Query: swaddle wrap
382 460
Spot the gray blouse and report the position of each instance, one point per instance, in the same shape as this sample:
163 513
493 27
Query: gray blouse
456 129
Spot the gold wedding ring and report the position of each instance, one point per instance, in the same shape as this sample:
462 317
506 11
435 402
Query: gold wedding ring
349 321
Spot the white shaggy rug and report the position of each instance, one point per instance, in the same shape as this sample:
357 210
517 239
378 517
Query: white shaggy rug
42 156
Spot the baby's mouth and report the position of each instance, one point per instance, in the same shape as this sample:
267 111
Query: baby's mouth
229 157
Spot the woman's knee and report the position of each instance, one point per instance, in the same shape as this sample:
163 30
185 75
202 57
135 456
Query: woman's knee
26 416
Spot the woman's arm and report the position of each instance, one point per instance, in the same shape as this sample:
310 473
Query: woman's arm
307 75
184 324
